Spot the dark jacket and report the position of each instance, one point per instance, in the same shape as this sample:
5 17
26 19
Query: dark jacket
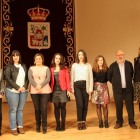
114 77
137 69
1 82
11 73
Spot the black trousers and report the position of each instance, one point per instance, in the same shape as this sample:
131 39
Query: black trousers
40 102
128 98
82 98
0 113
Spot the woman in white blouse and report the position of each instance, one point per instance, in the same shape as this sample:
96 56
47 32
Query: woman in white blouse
16 91
82 86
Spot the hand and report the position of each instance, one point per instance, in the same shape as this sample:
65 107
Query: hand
1 96
72 92
89 92
39 90
23 89
20 89
68 93
38 87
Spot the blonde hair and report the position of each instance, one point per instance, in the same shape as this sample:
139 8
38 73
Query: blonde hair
96 66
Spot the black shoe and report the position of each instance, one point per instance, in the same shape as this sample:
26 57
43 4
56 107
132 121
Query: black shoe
100 124
0 132
106 124
62 126
58 126
38 128
44 130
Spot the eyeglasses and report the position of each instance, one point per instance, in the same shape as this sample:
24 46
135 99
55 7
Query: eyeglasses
120 55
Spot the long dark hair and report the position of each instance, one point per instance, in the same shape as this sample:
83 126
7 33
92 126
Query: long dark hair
85 56
13 54
62 61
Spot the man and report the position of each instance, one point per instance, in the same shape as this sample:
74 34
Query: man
120 74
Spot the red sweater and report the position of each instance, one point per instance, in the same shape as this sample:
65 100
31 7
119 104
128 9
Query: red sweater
64 79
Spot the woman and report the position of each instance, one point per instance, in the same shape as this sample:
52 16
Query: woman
39 77
61 88
1 95
82 86
100 95
137 78
16 91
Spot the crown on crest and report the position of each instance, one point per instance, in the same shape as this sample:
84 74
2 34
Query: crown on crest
38 14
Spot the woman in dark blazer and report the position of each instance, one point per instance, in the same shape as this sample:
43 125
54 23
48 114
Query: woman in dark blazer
1 95
16 91
61 88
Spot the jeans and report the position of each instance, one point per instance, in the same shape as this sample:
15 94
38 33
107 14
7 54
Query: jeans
16 102
40 102
0 113
82 98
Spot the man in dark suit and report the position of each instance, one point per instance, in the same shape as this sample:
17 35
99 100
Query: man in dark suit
120 74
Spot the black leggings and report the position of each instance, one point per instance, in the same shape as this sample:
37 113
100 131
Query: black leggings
40 104
0 113
58 107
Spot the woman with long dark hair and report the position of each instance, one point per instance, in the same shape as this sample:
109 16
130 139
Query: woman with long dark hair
1 95
82 86
100 94
39 77
16 91
61 88
137 78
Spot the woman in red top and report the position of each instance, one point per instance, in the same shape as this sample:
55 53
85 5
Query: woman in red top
61 88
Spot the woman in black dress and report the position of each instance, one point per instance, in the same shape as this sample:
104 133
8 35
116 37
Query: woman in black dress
100 95
137 78
61 88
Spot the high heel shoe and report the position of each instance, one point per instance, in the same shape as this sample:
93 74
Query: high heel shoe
100 124
58 126
106 124
62 126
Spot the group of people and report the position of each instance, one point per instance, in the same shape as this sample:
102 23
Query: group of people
56 84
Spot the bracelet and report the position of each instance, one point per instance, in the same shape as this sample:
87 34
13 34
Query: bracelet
1 93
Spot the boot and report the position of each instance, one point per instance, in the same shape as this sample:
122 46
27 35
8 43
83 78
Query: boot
38 128
0 132
44 130
62 126
100 124
58 126
106 124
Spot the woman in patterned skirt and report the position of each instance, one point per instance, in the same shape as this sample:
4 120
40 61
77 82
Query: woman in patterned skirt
100 95
137 78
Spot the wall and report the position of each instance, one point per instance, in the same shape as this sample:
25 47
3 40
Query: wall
104 26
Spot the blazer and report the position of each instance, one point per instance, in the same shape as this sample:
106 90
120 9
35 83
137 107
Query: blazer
137 69
64 79
114 77
2 87
11 73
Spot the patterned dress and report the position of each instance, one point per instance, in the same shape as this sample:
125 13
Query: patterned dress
100 89
137 79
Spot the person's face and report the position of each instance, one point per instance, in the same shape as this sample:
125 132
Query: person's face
81 57
57 59
120 56
100 61
16 58
38 60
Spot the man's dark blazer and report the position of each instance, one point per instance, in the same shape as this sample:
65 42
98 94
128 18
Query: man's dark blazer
114 77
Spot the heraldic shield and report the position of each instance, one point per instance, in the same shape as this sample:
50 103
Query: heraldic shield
39 35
